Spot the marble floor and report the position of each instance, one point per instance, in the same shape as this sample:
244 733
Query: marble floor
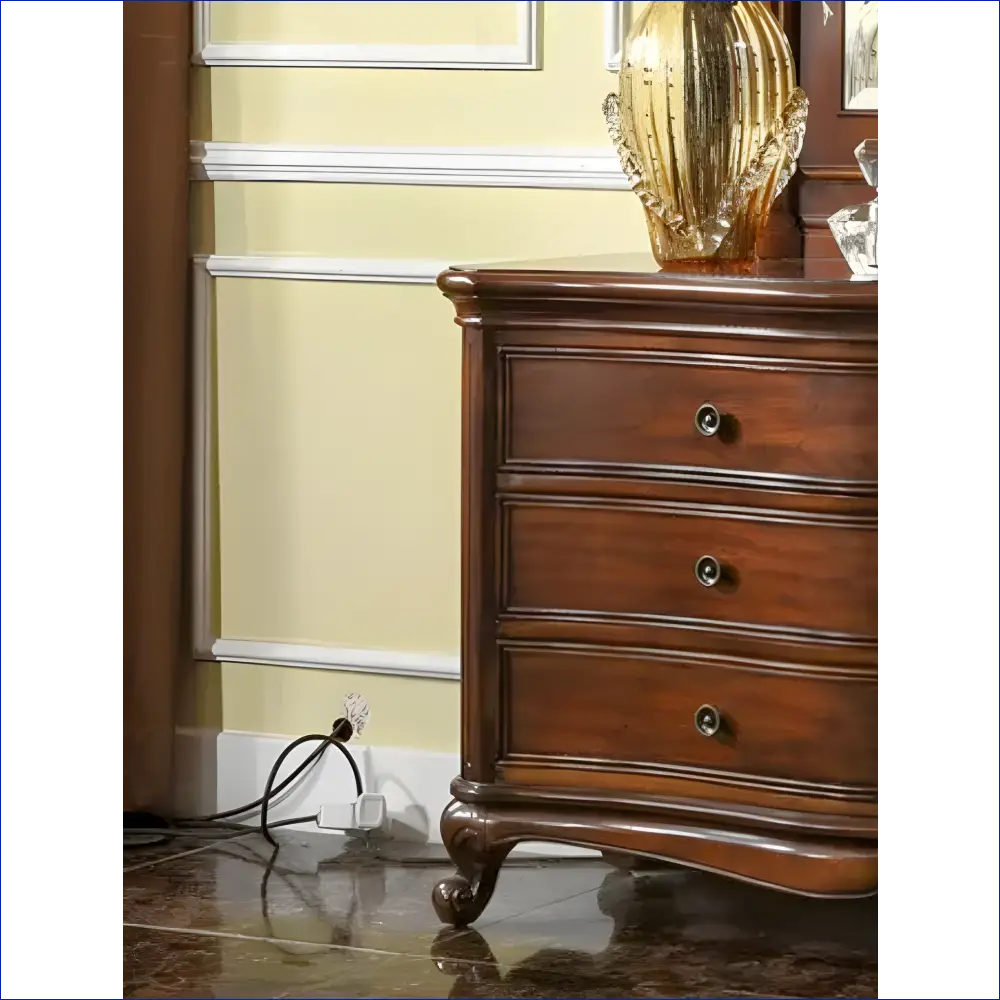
332 918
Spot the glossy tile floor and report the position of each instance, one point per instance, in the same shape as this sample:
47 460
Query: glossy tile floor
332 919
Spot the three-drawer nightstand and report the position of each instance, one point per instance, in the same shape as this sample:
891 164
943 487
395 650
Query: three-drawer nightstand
669 571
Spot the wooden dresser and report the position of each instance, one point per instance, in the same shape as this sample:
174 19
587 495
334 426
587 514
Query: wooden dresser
669 571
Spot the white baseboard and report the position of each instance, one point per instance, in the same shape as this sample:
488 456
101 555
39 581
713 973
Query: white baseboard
595 169
221 770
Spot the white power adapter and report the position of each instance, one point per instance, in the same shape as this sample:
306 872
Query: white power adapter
367 813
370 812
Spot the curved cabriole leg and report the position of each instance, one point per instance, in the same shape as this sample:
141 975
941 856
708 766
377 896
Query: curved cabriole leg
460 899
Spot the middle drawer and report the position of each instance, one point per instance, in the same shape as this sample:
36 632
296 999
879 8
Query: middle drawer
630 561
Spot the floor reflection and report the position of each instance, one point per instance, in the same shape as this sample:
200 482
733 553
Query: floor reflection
326 918
677 933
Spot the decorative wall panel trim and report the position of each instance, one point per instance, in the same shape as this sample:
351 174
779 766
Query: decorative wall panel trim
580 169
615 30
203 491
525 53
440 666
391 272
206 644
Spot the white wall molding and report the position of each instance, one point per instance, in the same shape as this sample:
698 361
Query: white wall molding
203 491
355 269
524 53
616 13
206 644
582 169
201 31
222 770
440 666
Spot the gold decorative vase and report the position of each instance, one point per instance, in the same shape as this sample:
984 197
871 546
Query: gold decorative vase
708 122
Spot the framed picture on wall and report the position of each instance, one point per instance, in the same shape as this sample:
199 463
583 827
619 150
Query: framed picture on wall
860 55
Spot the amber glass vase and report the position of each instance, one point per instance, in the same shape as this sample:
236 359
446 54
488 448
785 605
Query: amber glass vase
708 123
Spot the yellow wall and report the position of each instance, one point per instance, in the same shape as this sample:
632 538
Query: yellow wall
559 105
383 23
338 403
339 483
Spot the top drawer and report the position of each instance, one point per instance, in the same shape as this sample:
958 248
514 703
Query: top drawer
622 410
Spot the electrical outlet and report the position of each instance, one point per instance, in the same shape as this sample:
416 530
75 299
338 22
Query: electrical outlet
357 712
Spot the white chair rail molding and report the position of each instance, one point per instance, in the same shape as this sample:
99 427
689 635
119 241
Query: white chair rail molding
595 169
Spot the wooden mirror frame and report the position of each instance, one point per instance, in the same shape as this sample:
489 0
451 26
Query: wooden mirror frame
828 176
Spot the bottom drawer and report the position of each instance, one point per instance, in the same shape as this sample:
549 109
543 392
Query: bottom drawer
774 724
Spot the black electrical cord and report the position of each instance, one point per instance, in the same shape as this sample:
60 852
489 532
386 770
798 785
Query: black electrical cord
342 731
214 825
330 740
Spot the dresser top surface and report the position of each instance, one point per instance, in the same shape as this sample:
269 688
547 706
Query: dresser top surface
787 282
631 265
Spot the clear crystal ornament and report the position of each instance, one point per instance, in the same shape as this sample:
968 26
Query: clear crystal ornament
855 228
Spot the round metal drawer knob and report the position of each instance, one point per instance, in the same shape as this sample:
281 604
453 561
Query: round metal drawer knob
708 720
708 571
708 420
